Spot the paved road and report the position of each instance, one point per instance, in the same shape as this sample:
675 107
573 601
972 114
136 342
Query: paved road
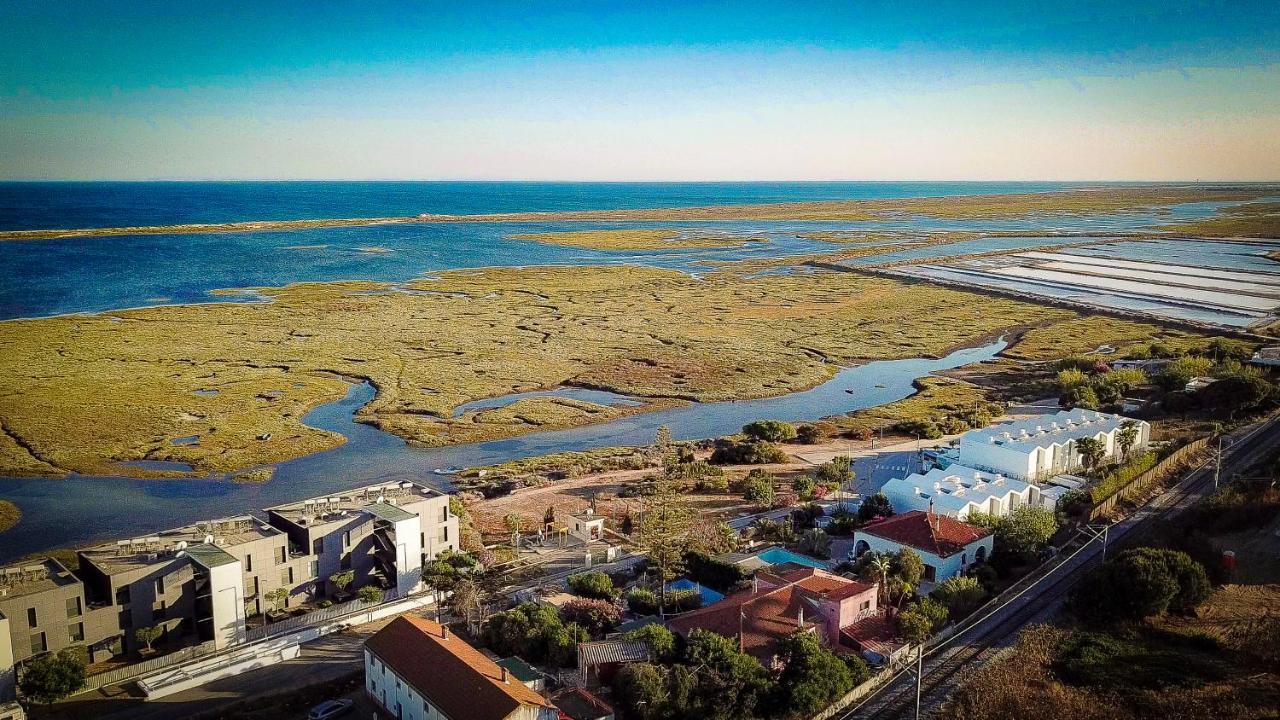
1041 596
323 660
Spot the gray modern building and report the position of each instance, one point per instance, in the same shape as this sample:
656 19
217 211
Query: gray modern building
203 579
382 533
45 610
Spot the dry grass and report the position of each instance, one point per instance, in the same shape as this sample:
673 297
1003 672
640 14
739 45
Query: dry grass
1086 334
1022 683
1258 220
83 393
936 397
636 239
10 515
1069 202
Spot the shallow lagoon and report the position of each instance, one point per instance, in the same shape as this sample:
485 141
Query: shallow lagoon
81 509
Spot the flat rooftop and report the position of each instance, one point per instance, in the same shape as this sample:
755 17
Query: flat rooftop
125 555
22 579
348 504
1045 431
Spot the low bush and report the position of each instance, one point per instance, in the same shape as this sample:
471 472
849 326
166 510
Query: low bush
593 585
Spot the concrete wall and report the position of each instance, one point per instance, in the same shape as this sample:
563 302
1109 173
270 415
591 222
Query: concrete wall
227 597
52 619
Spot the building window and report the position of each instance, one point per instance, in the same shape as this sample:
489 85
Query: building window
38 644
122 595
444 533
280 555
286 577
315 568
866 605
422 538
76 632
346 562
159 586
346 539
255 586
157 611
444 513
317 547
73 606
248 563
32 621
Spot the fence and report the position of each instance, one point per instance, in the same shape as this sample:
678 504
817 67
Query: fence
315 617
128 672
1140 483
206 649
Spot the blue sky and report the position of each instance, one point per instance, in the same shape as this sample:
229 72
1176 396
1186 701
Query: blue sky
633 91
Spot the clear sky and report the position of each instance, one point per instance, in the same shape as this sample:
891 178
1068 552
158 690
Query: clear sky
602 90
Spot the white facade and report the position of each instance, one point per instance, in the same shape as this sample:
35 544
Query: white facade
959 491
1040 447
937 569
225 598
405 703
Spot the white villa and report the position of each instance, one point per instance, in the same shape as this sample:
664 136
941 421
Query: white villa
1041 447
959 491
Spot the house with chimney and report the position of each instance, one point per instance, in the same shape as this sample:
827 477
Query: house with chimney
779 605
947 546
415 669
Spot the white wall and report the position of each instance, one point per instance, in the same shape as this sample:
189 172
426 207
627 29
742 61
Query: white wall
227 585
408 537
944 568
393 693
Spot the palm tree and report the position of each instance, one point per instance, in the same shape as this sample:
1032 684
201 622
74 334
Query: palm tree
1126 436
1091 451
880 565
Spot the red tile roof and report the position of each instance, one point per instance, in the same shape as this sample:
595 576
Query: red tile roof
938 535
448 672
767 615
876 633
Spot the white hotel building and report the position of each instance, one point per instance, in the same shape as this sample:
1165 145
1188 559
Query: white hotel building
1039 448
995 470
959 491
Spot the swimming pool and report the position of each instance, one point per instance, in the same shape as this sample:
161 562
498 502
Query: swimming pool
778 556
709 596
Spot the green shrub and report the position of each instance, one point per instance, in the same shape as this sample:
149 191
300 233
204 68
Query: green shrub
746 452
770 431
595 585
1123 475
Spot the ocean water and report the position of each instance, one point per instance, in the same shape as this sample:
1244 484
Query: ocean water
47 205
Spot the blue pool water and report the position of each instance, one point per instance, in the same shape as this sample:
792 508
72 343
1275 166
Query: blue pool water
778 556
708 595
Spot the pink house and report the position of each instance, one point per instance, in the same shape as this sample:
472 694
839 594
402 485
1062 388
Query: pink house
778 605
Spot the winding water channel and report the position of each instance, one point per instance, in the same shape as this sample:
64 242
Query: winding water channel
83 509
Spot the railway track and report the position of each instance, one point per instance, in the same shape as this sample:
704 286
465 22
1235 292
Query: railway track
1044 593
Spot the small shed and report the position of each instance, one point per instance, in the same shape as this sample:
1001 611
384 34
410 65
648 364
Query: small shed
600 660
524 672
587 526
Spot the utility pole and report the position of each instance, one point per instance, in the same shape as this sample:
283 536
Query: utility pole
1217 468
919 677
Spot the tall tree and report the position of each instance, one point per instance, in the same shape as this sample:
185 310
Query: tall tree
664 531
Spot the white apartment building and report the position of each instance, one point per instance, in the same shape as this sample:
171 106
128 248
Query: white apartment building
1044 446
415 669
959 491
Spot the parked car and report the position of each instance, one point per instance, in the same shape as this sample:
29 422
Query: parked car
331 709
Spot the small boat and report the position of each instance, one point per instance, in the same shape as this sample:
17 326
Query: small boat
850 391
451 470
